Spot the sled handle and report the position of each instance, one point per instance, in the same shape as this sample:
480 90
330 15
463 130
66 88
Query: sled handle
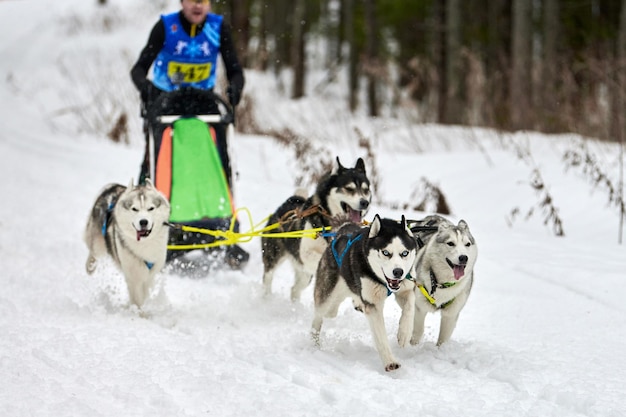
207 118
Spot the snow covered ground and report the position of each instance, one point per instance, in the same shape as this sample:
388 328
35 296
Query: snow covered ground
542 333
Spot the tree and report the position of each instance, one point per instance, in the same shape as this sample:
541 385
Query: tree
549 97
497 47
297 55
240 22
520 103
353 76
619 109
278 30
453 67
262 53
372 63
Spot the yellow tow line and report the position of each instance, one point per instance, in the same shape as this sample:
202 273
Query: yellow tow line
230 237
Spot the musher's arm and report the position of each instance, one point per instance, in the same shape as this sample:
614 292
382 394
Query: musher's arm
234 72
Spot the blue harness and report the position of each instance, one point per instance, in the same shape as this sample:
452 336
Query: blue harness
107 217
339 256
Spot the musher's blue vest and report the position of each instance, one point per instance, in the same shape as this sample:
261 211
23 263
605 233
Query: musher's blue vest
195 58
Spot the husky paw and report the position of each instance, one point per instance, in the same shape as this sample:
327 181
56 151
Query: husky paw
417 336
403 340
315 336
392 366
441 342
236 257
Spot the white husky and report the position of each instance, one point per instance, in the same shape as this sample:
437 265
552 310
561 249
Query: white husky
130 225
444 272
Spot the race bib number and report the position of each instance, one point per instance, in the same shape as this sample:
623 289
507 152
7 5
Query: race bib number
188 73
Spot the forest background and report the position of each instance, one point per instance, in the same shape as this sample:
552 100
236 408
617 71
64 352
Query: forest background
546 65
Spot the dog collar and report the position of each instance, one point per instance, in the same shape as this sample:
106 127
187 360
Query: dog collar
433 287
434 284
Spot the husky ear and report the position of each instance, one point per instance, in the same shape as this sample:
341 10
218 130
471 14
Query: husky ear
405 226
149 183
131 184
360 165
375 227
338 167
463 225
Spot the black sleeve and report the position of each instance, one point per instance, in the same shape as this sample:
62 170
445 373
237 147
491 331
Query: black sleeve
234 72
149 53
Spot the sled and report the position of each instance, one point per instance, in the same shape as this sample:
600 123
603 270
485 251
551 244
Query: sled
183 129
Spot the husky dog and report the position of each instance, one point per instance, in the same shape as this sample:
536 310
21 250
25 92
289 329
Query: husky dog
368 264
342 194
130 225
444 272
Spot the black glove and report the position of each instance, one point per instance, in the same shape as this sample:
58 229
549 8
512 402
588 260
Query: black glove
234 95
149 92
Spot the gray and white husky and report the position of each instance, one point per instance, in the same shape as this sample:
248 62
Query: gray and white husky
444 272
367 264
130 225
343 193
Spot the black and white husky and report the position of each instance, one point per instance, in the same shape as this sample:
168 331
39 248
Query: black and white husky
343 193
367 264
130 225
444 272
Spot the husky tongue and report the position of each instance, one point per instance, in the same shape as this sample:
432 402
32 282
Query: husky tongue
142 233
355 216
394 284
459 271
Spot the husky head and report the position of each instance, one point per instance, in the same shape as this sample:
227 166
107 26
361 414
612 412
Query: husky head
143 207
391 251
346 192
453 250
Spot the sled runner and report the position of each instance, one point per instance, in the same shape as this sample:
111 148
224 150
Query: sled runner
187 132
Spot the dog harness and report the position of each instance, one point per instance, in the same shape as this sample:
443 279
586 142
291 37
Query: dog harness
339 256
107 217
433 287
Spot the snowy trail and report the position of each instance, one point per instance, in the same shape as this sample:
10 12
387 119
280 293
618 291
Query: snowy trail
221 333
220 338
521 344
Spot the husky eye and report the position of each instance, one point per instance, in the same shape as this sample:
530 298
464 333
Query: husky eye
386 253
135 209
451 244
467 245
404 254
151 208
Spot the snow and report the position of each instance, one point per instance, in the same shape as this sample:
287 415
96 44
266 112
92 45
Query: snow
541 335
